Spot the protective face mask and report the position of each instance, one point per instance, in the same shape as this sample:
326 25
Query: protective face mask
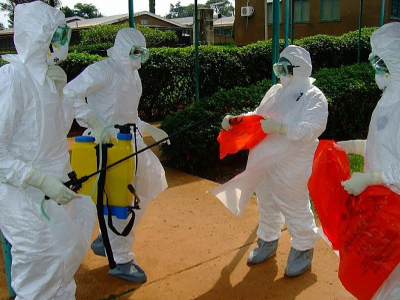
136 64
285 80
57 54
382 80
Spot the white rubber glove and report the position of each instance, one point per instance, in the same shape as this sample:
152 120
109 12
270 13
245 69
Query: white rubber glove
156 133
269 125
360 181
225 123
51 187
353 146
58 75
97 128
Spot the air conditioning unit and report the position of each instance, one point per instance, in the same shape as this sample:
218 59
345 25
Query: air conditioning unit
246 11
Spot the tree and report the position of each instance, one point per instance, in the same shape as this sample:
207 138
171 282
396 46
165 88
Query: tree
87 11
223 7
9 6
68 12
152 6
1 26
179 11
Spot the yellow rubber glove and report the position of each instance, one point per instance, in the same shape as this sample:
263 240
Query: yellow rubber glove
97 128
360 181
51 187
225 123
58 75
269 126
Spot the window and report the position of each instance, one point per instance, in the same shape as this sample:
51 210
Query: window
395 9
217 31
144 21
301 11
270 13
330 10
227 32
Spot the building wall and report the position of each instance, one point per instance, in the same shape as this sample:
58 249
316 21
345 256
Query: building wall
152 22
253 29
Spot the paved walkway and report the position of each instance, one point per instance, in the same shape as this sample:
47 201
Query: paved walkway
192 247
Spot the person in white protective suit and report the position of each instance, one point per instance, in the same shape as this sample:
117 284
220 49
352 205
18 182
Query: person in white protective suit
113 89
47 246
278 168
381 150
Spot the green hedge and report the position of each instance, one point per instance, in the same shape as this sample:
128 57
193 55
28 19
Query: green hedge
77 62
168 76
351 92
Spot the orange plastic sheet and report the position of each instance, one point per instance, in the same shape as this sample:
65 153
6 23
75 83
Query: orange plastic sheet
246 133
365 229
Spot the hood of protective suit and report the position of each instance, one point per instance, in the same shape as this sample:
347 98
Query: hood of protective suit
300 57
385 43
126 38
34 26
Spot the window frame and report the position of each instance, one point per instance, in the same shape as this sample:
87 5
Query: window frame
269 4
301 12
331 5
397 2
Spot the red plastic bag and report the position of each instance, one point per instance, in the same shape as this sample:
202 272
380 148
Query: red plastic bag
246 133
365 228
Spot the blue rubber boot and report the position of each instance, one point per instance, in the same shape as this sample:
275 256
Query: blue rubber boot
130 272
298 262
98 246
264 251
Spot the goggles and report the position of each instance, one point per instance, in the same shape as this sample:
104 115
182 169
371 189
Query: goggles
62 35
139 52
283 68
378 64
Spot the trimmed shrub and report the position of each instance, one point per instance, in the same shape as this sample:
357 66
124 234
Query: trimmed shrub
196 150
168 77
351 92
77 62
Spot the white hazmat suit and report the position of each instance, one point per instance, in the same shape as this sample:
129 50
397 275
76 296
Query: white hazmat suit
279 167
33 154
382 148
113 89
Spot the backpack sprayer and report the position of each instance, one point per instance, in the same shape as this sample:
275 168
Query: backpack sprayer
122 147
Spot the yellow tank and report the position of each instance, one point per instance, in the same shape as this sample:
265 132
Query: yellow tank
119 176
84 162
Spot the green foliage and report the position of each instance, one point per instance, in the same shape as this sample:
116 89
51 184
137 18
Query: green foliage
356 163
156 36
99 49
87 11
196 150
105 34
223 7
100 34
77 62
169 82
352 94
